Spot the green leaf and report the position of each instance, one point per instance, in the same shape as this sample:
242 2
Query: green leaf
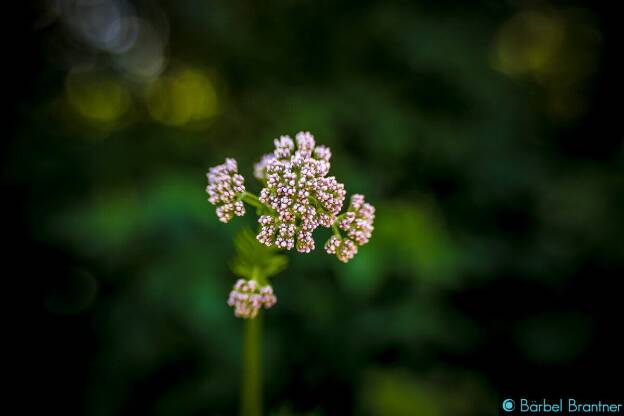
254 260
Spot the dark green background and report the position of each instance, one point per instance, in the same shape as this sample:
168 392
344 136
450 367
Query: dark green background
479 130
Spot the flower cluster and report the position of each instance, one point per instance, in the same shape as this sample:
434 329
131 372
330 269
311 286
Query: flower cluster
247 297
343 248
299 193
225 186
297 197
357 222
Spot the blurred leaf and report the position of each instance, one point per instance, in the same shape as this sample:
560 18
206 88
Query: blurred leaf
115 221
397 393
391 392
363 275
414 234
286 410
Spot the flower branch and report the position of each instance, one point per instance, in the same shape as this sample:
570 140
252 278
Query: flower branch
297 197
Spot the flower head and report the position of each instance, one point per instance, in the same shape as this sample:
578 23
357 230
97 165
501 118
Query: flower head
299 193
343 248
357 222
225 186
247 297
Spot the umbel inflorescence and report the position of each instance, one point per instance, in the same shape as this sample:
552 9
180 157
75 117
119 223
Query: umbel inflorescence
247 297
297 197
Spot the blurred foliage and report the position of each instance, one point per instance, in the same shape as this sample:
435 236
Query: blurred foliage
470 126
395 392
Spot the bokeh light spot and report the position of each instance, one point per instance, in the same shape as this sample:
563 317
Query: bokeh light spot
186 96
97 97
528 42
146 57
557 49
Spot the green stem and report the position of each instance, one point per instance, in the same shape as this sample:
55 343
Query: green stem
254 201
336 230
251 199
251 393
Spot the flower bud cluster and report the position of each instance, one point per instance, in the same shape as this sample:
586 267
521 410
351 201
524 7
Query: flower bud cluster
247 297
299 192
357 222
225 186
343 248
